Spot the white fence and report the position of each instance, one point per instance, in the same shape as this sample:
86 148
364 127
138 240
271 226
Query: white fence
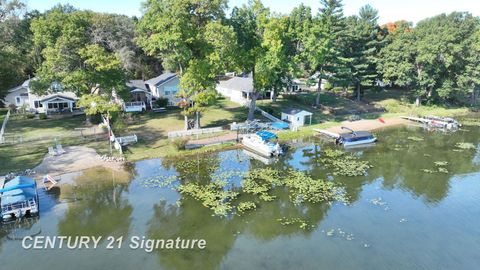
191 132
267 115
4 125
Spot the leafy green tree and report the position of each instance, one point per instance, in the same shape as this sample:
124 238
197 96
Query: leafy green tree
274 68
16 56
437 58
76 55
189 37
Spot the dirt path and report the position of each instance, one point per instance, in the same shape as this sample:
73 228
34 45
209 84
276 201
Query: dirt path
368 125
76 158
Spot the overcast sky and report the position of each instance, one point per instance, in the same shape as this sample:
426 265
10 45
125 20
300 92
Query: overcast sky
389 10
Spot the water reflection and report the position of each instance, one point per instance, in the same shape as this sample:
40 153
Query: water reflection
99 209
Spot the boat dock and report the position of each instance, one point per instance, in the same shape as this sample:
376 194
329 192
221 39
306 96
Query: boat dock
416 119
327 133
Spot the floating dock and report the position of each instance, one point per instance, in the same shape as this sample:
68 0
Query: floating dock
327 133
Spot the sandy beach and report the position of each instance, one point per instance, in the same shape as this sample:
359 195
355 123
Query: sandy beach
76 158
368 125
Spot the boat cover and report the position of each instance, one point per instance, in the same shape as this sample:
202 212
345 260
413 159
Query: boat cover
280 125
17 190
266 135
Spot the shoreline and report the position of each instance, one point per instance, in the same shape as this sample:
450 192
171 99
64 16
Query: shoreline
75 159
80 158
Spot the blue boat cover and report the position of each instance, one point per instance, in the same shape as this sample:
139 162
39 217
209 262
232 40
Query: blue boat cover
280 125
19 189
266 135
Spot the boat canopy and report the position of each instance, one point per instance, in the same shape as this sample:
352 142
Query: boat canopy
266 135
280 125
18 190
355 136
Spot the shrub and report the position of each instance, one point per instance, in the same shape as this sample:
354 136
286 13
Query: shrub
29 116
161 102
42 116
118 125
328 86
180 143
96 119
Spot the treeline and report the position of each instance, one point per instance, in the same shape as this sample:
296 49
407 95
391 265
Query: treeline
438 60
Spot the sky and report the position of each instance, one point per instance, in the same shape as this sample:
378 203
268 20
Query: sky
389 10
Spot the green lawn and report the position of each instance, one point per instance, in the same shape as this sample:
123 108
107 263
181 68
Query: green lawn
39 135
152 128
50 128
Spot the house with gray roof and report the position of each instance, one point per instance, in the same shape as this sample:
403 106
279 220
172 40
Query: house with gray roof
144 93
237 89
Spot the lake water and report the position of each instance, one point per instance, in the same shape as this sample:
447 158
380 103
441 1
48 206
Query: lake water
403 215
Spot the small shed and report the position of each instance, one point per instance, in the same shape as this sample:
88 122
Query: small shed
297 117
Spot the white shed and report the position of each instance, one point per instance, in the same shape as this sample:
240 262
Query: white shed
297 117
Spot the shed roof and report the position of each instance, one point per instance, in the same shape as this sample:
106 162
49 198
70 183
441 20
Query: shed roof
291 111
161 79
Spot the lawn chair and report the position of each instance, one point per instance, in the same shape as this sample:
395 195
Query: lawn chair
60 149
51 151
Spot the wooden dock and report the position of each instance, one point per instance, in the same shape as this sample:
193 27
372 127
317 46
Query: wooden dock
327 133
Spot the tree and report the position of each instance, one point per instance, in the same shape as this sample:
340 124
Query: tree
361 49
73 57
322 51
437 59
470 79
274 67
248 23
16 57
183 34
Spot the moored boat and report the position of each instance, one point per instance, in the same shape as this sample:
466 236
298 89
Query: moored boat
353 138
19 198
263 142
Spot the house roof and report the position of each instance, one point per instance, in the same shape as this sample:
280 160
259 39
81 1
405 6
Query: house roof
137 84
64 95
163 78
244 84
292 111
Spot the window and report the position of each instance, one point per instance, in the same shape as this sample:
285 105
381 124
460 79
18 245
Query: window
36 104
170 90
18 100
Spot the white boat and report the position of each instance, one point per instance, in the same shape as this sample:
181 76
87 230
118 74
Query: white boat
354 138
263 142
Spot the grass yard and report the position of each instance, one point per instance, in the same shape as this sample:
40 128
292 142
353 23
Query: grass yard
32 129
38 136
152 128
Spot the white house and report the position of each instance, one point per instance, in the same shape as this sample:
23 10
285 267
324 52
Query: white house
238 89
55 101
296 117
